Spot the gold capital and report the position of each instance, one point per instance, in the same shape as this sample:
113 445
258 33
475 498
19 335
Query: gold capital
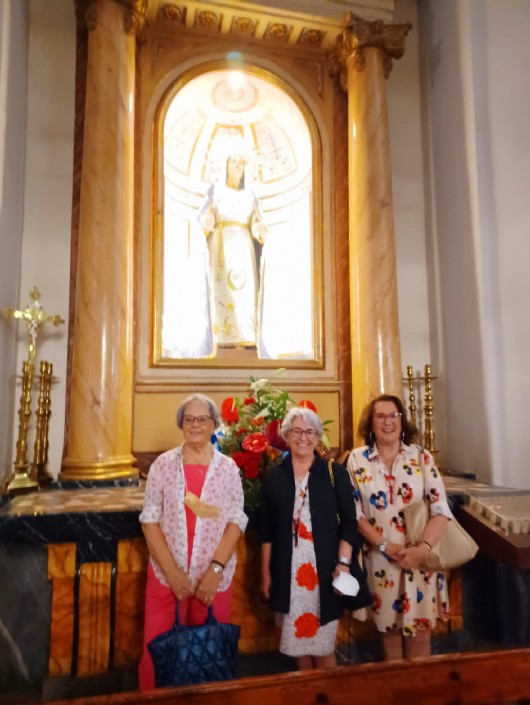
134 13
359 35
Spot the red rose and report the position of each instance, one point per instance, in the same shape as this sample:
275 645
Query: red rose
248 401
229 411
251 465
255 442
239 458
272 431
306 404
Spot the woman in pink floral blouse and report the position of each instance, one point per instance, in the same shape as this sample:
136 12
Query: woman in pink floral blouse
192 518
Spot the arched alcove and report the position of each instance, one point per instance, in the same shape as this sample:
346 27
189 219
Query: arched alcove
201 120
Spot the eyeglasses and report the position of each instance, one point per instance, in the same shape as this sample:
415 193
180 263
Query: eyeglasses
309 433
381 418
201 420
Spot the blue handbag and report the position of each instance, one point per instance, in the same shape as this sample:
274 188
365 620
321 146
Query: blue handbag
187 655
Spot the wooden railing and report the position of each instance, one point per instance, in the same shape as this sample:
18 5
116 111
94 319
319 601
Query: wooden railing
459 679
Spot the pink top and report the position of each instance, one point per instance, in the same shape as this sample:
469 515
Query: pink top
194 476
164 505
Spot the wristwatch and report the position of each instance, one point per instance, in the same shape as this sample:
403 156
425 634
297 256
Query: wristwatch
383 545
217 567
343 560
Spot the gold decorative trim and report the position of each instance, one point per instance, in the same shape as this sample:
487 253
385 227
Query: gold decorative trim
206 19
244 25
278 31
359 35
172 13
311 37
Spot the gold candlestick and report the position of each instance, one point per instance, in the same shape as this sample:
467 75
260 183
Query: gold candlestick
40 449
429 436
412 403
20 479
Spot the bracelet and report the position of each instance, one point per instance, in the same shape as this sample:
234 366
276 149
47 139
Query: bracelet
343 560
425 543
215 562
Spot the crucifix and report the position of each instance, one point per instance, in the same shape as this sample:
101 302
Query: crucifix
34 316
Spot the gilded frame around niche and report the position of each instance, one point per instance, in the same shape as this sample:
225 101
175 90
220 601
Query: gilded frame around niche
180 253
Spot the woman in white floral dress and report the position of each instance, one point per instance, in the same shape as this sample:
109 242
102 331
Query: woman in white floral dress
388 474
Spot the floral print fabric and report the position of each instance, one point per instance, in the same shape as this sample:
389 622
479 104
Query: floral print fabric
407 600
302 634
164 505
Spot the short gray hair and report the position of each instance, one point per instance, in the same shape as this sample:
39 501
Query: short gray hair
307 415
203 399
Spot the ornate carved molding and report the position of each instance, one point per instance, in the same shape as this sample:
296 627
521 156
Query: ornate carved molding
134 14
173 13
359 35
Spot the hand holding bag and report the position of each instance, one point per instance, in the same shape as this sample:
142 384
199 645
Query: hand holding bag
455 546
187 655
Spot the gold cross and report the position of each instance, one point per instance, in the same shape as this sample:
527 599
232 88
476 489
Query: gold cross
34 316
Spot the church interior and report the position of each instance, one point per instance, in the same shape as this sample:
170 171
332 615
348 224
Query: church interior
382 144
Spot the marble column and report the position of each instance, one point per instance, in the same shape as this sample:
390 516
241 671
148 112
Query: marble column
99 434
362 60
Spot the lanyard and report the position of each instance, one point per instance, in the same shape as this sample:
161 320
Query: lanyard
301 494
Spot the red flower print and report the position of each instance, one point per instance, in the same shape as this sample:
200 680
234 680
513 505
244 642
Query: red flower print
248 401
272 431
306 404
303 533
251 463
255 442
306 625
239 458
229 410
423 622
306 576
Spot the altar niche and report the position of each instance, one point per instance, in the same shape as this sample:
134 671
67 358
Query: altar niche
235 188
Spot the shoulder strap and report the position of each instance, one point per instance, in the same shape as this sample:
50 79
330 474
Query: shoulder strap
330 470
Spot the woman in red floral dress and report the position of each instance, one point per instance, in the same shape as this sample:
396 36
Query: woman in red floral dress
308 533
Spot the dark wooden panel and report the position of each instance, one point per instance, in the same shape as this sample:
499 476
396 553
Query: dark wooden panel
466 679
511 549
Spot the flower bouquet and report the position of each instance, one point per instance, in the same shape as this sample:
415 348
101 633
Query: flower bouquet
250 432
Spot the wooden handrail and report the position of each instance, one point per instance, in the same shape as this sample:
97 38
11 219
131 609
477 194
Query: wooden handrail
463 679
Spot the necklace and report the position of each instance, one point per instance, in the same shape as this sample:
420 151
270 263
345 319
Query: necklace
201 456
